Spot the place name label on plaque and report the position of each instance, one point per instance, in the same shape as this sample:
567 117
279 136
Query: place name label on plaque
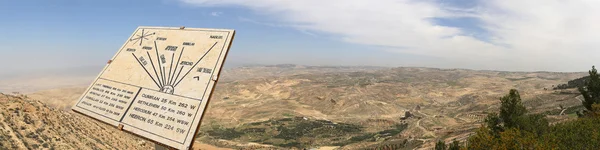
169 115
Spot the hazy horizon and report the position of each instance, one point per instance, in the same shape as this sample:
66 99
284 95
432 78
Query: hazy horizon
94 70
554 36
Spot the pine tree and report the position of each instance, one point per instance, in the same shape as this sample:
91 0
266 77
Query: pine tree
591 90
440 145
455 145
511 108
493 123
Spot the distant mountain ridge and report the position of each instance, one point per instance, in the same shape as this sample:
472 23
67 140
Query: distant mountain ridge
36 80
72 71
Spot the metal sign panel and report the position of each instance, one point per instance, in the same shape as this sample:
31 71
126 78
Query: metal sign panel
158 84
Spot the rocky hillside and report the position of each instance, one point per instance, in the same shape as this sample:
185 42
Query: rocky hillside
29 124
387 93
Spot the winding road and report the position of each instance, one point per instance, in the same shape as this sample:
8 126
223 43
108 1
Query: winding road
421 127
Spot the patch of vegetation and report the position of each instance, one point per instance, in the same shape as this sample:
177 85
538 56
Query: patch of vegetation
347 127
398 128
467 98
514 129
227 133
579 82
290 132
579 134
31 135
291 144
441 145
39 130
590 90
27 119
254 130
570 110
304 127
44 137
395 145
26 143
371 137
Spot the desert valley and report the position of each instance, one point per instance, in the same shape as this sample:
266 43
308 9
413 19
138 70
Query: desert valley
295 107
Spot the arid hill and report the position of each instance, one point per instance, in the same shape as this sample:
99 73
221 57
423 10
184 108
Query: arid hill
451 102
29 124
249 72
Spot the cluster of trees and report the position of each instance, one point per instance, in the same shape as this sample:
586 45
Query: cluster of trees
514 128
441 145
579 82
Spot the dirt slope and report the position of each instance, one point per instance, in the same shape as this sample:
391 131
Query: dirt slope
29 124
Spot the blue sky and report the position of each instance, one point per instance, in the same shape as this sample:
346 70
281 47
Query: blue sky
469 34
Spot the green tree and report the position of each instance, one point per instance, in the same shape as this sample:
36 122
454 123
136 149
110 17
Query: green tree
482 140
511 108
440 145
514 129
591 90
534 123
493 124
583 133
455 145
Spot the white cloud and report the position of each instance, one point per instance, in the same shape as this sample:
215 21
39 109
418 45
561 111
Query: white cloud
243 19
553 35
216 14
547 32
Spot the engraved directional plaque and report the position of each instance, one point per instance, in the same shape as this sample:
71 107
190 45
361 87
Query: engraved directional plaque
158 84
